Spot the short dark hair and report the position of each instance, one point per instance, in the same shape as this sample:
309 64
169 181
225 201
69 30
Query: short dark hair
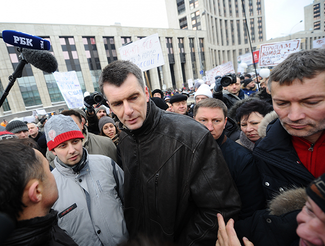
251 106
18 164
299 65
211 103
116 73
69 112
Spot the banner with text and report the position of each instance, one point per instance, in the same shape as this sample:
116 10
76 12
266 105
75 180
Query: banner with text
219 70
69 86
274 53
319 43
146 53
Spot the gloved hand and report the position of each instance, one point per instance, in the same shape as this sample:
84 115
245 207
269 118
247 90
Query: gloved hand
89 102
217 87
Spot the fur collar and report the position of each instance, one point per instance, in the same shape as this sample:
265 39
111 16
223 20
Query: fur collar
264 123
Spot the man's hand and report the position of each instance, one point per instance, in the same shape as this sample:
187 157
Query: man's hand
218 87
227 235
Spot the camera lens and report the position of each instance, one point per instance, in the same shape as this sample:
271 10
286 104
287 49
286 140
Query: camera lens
98 98
225 81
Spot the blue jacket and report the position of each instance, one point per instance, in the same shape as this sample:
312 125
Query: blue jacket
244 172
279 164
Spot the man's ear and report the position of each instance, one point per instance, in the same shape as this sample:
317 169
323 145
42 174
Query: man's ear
34 191
225 122
53 152
147 93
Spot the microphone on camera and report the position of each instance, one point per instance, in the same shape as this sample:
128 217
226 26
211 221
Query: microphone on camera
25 40
41 59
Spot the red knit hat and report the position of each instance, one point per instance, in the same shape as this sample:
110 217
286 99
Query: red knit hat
60 128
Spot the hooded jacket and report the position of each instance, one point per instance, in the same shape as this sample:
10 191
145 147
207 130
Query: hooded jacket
176 180
89 206
39 231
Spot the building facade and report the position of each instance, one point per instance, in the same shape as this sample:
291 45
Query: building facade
87 50
225 24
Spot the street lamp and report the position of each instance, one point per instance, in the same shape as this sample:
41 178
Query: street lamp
294 27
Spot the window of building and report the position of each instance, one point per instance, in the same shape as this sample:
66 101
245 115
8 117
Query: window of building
219 7
193 4
238 31
71 58
214 7
245 32
246 50
183 23
260 29
224 8
170 51
236 8
125 40
232 32
252 29
230 8
27 83
226 29
180 6
317 25
5 106
250 6
201 43
93 60
196 20
217 36
181 49
193 60
316 12
258 7
221 35
110 49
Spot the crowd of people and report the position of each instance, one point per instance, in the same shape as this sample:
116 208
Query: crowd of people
240 164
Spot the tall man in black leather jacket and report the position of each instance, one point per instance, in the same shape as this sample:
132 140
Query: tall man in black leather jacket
175 178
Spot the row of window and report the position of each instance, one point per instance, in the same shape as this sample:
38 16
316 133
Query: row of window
27 83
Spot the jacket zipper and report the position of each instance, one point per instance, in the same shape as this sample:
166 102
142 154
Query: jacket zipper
156 190
311 148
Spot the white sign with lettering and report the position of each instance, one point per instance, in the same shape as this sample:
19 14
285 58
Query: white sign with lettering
69 86
146 53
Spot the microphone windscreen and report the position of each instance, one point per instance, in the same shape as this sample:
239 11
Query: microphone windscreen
41 59
25 40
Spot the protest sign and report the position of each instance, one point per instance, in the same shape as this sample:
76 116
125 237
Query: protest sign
220 70
274 53
319 43
69 86
146 53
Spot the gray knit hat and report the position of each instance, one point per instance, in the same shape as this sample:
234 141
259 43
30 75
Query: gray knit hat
102 107
104 120
60 128
16 126
81 112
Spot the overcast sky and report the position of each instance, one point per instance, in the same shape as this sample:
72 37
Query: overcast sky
282 16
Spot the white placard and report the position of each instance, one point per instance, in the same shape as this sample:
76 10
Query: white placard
219 70
190 83
146 53
69 86
319 43
274 53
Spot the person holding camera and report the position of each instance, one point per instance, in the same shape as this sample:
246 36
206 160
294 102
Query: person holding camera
228 89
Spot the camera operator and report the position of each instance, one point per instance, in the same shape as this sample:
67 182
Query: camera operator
94 103
227 89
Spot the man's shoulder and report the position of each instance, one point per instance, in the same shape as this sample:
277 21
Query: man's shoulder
102 139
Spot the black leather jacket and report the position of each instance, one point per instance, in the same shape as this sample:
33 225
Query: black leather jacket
39 231
176 180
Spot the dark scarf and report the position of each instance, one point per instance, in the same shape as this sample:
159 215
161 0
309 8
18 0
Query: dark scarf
36 231
80 165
